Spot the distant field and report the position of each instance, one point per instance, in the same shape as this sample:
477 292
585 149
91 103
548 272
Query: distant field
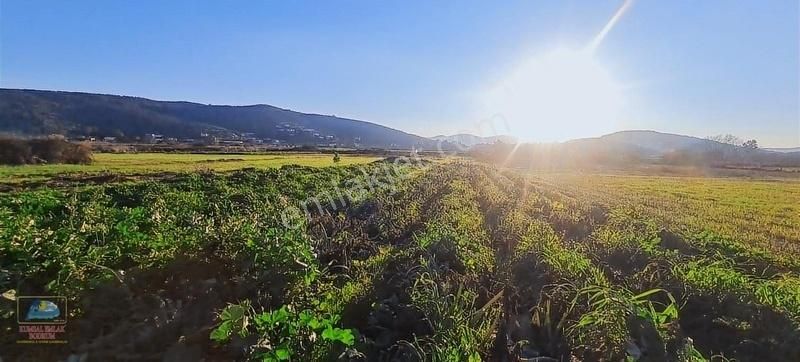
763 213
136 163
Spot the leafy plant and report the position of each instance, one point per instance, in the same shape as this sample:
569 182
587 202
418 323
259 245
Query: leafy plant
283 333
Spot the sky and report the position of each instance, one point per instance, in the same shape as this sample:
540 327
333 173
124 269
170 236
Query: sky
537 70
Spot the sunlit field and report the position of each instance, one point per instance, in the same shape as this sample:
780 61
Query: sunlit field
142 163
439 261
422 181
759 213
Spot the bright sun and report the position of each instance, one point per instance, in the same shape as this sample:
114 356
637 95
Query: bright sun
560 95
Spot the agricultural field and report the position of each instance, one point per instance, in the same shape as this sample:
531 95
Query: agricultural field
147 163
399 260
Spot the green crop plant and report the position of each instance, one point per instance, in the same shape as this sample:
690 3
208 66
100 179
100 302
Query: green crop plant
283 334
462 330
456 260
607 306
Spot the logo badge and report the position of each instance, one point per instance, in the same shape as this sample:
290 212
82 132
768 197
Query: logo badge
41 319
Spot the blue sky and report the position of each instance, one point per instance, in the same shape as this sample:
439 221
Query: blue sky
690 67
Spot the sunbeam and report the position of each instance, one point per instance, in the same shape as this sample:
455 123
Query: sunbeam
611 22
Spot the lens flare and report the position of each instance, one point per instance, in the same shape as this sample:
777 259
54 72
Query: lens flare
557 96
611 22
562 94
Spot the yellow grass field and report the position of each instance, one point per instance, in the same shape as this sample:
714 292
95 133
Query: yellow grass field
142 163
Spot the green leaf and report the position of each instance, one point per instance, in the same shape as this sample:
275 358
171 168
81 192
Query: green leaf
222 332
280 315
345 336
264 319
586 319
233 312
671 311
282 354
305 317
647 293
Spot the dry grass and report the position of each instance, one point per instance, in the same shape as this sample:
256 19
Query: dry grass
142 163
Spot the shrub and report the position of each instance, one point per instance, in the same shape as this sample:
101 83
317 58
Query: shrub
15 152
54 149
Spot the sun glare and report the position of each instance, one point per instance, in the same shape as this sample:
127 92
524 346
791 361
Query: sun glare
557 96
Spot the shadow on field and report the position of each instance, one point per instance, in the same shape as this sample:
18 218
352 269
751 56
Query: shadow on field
65 181
745 332
158 314
532 310
718 325
385 316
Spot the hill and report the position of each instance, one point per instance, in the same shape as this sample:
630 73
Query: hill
784 150
654 143
38 112
627 147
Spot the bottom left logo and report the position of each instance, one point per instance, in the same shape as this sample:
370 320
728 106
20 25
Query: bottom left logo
41 319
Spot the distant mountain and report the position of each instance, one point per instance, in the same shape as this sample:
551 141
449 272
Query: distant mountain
655 143
470 140
652 144
784 150
38 112
627 147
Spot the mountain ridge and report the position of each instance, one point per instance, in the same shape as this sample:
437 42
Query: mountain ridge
42 112
625 148
655 142
783 149
32 112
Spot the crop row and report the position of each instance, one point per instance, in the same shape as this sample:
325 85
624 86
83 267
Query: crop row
737 301
190 245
